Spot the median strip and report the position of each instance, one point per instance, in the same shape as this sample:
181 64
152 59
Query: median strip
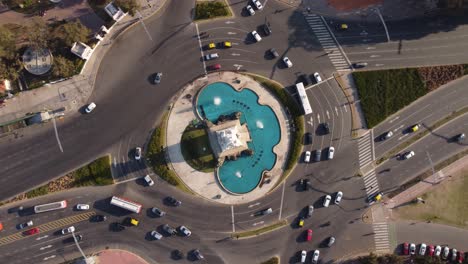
260 231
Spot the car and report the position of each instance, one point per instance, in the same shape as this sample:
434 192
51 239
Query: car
32 231
331 241
173 201
137 153
422 249
307 156
412 249
326 200
79 238
1 226
342 27
177 254
309 235
157 78
287 62
156 235
267 29
90 107
303 256
386 135
211 46
185 231
158 212
338 197
358 65
430 250
250 10
99 218
130 221
437 251
26 224
169 230
214 67
414 128
461 257
308 138
116 226
454 254
211 56
310 210
82 207
325 128
445 252
315 256
318 155
71 239
256 36
148 180
274 53
266 211
331 152
460 137
405 248
305 79
196 253
301 222
68 230
317 77
227 44
304 183
408 155
257 4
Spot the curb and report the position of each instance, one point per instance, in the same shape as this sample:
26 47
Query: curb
283 223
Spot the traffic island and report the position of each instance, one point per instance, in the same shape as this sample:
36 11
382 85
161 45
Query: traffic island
205 10
260 231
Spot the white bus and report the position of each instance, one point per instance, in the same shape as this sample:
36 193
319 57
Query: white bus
126 204
303 97
50 207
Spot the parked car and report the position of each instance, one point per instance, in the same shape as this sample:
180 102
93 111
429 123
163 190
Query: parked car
437 251
158 212
318 155
26 224
68 230
267 29
408 155
90 108
185 231
315 256
173 201
156 235
99 218
257 4
454 254
274 53
82 207
157 78
287 62
310 210
148 180
326 200
331 241
412 249
445 252
213 67
250 10
303 256
317 77
169 230
430 250
32 231
307 156
422 249
461 257
309 235
256 36
405 248
211 56
308 138
338 197
137 153
196 253
331 153
266 211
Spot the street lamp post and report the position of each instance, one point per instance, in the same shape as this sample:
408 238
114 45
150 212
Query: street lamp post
87 260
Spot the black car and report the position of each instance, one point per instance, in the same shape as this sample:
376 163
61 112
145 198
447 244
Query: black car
177 254
71 239
99 218
305 184
305 78
318 155
173 201
196 253
274 53
117 226
325 128
358 65
169 230
308 138
267 29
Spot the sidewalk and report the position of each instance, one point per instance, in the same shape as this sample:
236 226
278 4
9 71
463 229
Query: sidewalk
72 93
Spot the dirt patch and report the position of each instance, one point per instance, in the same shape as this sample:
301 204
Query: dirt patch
347 5
437 76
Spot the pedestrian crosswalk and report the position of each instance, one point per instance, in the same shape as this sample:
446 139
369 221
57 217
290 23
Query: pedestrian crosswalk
381 237
370 183
328 42
365 149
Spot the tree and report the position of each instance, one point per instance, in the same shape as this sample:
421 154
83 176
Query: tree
130 6
38 34
9 69
7 43
371 259
63 67
72 32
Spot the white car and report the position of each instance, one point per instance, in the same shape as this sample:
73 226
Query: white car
408 155
90 108
148 180
331 152
211 56
82 206
445 253
422 249
288 62
307 156
412 249
138 153
315 257
303 256
326 201
68 230
338 197
317 77
256 36
157 77
250 10
185 231
257 4
24 225
454 254
437 251
156 235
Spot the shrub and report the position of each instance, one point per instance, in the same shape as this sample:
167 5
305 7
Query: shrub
205 10
130 6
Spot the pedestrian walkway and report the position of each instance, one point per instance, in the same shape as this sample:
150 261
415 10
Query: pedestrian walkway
370 183
328 42
366 155
381 237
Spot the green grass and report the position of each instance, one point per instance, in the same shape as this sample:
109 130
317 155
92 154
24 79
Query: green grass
196 149
43 190
383 93
273 260
208 10
97 172
261 230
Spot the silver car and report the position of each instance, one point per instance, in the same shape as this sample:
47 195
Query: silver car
158 211
315 257
338 197
157 77
310 210
331 241
156 235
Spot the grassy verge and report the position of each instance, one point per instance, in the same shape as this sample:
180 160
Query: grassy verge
286 100
422 134
261 230
273 260
156 156
196 149
211 9
446 204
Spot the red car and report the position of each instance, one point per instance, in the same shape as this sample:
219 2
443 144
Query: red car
460 257
405 248
431 250
214 67
32 231
309 234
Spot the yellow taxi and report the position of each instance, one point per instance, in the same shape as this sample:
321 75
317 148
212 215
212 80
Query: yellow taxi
415 128
211 46
343 27
301 222
227 44
134 221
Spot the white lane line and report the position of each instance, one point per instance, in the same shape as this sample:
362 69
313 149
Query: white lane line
232 213
56 134
42 237
372 143
258 223
282 198
252 205
201 49
46 247
132 179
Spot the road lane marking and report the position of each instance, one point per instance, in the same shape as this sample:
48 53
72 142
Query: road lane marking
252 205
201 49
235 54
336 110
232 215
50 257
328 114
229 22
318 117
282 198
42 237
232 33
394 119
258 223
46 247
